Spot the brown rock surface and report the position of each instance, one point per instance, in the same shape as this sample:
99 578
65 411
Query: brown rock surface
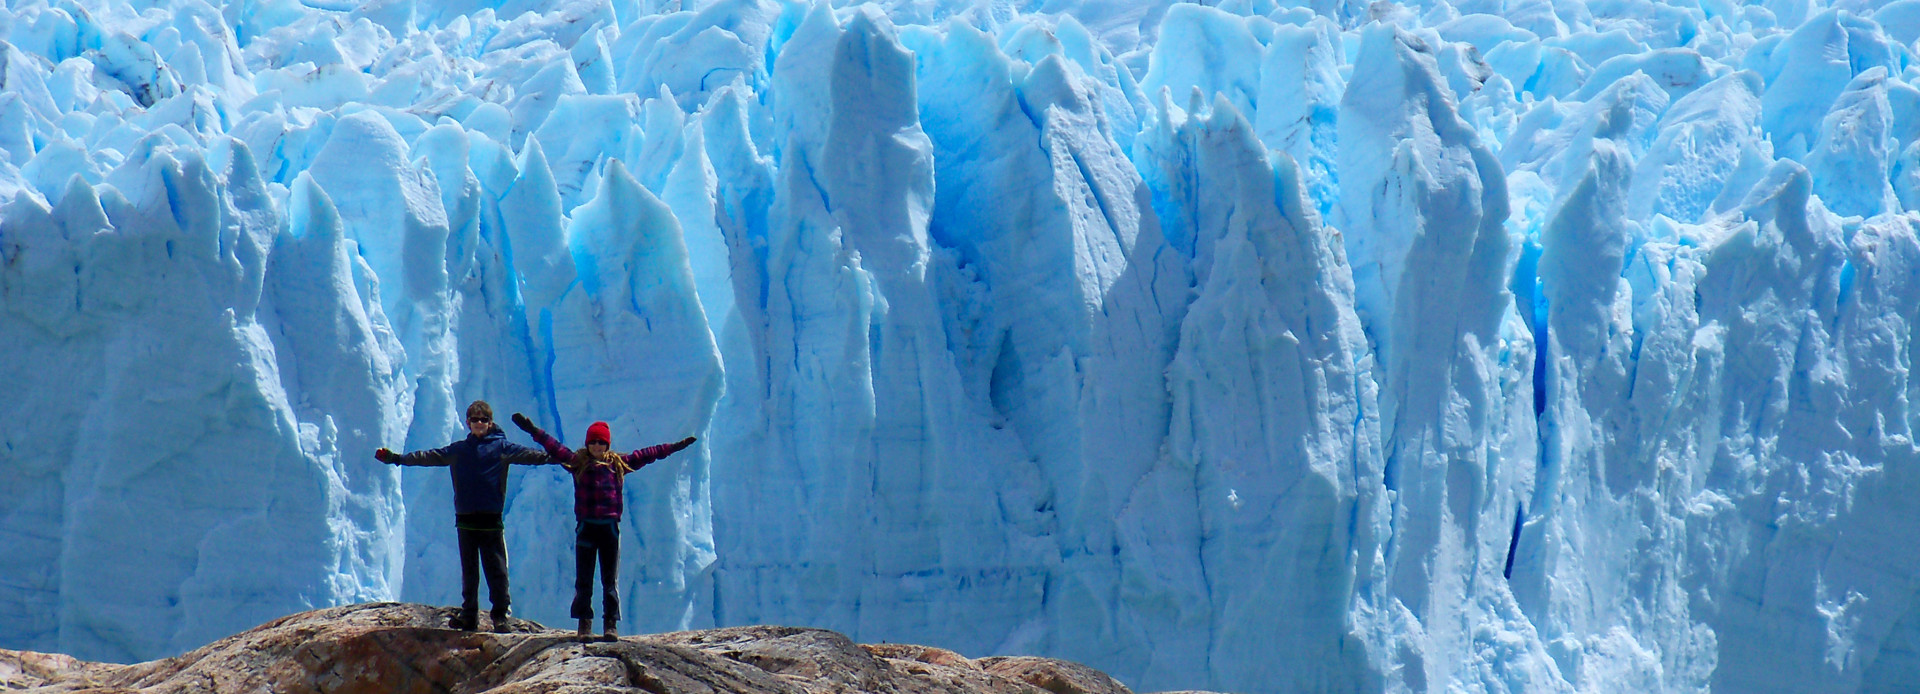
398 647
23 669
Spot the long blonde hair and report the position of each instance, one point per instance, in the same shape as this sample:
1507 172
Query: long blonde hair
585 457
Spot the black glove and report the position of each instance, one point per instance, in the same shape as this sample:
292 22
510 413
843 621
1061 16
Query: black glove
385 456
525 424
684 443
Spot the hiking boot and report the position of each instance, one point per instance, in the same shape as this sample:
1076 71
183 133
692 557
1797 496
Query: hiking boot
586 628
611 634
502 622
465 620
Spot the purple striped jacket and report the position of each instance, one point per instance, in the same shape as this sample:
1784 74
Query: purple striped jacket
599 487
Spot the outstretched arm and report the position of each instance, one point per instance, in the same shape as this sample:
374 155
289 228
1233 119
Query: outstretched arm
555 450
646 456
521 455
432 457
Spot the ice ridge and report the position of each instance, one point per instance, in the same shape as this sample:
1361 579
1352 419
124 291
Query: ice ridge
1257 346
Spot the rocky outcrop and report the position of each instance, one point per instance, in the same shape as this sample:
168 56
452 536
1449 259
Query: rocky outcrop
407 648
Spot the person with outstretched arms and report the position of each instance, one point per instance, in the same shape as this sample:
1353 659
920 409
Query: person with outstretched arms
478 465
599 490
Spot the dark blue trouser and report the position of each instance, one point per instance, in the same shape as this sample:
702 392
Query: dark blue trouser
601 541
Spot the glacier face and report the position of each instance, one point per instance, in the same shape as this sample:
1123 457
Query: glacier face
1262 346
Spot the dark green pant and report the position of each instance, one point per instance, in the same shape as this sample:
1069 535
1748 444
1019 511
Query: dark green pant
483 545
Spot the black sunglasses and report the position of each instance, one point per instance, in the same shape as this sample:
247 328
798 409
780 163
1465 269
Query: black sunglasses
479 420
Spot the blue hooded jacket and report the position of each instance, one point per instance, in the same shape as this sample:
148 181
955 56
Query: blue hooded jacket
479 468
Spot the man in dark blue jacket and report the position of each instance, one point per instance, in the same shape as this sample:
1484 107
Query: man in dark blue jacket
478 464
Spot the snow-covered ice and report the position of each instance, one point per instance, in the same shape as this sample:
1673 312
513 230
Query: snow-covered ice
1252 345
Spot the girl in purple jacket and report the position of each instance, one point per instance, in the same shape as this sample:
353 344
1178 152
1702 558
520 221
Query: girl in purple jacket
599 476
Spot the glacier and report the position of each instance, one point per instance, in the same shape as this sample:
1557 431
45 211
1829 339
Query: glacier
1252 345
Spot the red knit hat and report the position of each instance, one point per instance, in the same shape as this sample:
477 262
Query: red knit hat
600 432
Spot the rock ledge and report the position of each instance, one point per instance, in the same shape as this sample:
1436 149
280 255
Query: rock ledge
403 648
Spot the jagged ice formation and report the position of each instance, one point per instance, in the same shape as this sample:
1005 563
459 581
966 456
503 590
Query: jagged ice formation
1476 345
